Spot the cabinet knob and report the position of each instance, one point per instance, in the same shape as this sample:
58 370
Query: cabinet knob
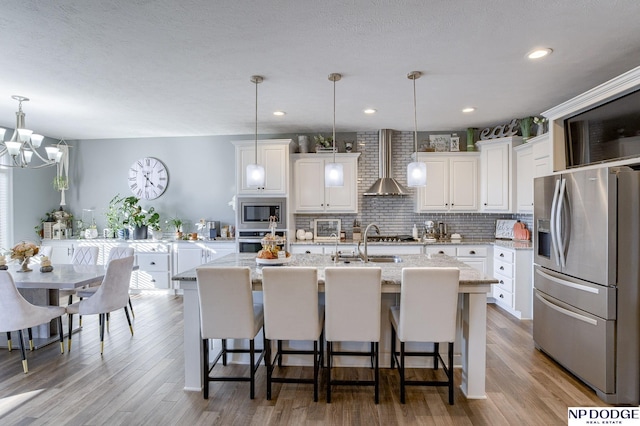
446 204
502 268
501 282
501 254
153 281
485 204
501 296
452 204
472 252
152 263
307 252
441 252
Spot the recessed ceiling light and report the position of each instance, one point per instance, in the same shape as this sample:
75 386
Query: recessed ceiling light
279 113
539 53
370 111
468 109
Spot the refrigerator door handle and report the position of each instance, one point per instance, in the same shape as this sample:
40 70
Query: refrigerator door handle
560 236
552 223
567 283
566 311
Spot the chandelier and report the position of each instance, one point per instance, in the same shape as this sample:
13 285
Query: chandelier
24 144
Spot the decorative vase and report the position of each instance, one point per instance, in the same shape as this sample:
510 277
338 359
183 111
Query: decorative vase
24 264
525 127
540 129
303 144
178 235
123 234
140 232
471 136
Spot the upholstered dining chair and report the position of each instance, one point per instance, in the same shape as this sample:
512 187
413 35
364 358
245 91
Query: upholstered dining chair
117 252
427 313
112 295
228 311
16 314
292 312
352 314
83 255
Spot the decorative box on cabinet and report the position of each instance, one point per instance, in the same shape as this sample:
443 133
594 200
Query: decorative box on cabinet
310 194
497 189
452 182
273 154
514 291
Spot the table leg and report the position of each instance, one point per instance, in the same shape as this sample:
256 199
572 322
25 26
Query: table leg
192 341
474 345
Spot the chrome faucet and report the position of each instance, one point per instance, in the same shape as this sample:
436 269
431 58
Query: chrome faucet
365 256
335 253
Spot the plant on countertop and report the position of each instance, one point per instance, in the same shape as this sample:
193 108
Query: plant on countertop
135 216
176 222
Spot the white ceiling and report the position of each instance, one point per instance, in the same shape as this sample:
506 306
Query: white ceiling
148 68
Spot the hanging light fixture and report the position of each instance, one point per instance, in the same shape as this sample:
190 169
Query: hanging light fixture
417 170
255 172
334 172
24 144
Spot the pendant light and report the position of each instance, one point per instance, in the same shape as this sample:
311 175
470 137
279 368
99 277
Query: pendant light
416 171
334 172
255 172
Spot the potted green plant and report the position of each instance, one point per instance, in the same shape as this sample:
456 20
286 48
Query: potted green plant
114 218
176 222
322 142
140 220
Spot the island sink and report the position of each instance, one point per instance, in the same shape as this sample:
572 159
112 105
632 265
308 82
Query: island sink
375 258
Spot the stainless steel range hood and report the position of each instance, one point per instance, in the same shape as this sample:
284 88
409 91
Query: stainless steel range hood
385 185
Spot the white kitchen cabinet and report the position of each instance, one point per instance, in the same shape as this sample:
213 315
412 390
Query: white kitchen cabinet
497 186
188 255
514 292
524 178
542 162
273 154
477 255
154 266
326 248
310 194
392 249
62 250
452 182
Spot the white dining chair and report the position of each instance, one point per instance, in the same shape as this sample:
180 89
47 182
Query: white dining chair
427 313
17 314
83 255
228 311
352 314
292 312
113 294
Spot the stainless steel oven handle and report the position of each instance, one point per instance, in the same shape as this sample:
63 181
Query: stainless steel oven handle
552 223
567 283
560 236
566 311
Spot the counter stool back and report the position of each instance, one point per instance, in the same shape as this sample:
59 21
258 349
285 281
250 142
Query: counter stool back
352 309
227 311
292 312
427 313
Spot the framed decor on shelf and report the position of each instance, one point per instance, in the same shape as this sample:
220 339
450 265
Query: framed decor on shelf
440 143
323 229
455 144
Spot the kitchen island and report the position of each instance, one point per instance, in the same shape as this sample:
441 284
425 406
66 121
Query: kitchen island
472 315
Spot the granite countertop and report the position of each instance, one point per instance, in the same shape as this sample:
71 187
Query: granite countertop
515 244
391 272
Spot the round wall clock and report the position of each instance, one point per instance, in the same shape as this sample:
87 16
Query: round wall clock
148 178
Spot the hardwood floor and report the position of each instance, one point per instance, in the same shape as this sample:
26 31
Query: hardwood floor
139 380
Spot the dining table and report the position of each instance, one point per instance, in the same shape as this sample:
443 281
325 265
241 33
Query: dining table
43 288
472 314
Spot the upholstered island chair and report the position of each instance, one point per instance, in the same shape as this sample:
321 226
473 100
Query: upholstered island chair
292 312
352 314
227 311
16 314
113 294
427 313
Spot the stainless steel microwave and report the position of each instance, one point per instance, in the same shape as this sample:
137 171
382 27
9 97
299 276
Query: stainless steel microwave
254 213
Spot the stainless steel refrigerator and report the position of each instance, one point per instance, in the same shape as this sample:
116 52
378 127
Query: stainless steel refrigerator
587 277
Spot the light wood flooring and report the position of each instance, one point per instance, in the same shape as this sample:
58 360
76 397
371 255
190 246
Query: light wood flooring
139 380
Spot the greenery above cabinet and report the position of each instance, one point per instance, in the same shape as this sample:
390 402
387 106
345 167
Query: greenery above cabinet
309 193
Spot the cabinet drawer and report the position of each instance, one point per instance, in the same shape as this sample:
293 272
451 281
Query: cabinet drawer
503 254
449 251
505 283
471 251
151 280
502 296
153 261
503 268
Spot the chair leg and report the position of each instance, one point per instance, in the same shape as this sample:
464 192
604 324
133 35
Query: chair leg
393 347
436 350
372 349
329 352
70 325
80 317
108 317
205 368
377 373
279 354
267 364
402 391
23 352
126 312
252 369
450 373
102 321
70 299
315 371
133 314
9 346
61 332
30 334
224 352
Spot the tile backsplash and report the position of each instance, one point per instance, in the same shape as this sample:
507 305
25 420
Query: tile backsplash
394 215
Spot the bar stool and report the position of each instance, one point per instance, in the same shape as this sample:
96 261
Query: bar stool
427 313
227 311
352 309
292 312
